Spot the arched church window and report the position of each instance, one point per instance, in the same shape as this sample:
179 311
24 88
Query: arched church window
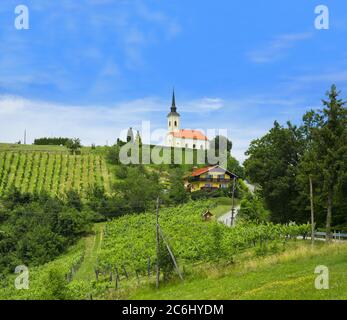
175 123
194 146
201 147
169 123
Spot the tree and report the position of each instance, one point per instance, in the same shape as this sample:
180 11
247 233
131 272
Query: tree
252 209
177 192
73 145
234 166
113 155
139 189
273 164
329 149
56 285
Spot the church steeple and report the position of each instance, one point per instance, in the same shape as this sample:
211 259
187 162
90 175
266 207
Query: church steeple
173 106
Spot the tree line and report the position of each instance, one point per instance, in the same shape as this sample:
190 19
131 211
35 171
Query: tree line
296 164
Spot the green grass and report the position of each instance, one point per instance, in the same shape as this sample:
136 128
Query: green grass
31 148
289 275
92 248
223 205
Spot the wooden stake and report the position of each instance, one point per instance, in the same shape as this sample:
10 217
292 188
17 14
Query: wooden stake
149 267
233 203
312 211
157 244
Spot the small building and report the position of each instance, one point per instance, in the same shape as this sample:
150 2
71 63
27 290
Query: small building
209 178
207 216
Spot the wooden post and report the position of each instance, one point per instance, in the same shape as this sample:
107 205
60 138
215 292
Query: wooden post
116 270
157 244
137 276
149 267
312 211
125 272
233 203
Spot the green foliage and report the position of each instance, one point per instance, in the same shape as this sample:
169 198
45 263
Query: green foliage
177 192
207 194
139 190
112 155
272 163
252 209
49 281
55 173
130 240
283 160
56 285
74 145
38 228
234 167
51 141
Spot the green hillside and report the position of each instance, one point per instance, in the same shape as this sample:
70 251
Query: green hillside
285 276
51 171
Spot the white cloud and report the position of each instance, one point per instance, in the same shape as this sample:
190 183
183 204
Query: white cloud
203 105
92 123
245 119
277 48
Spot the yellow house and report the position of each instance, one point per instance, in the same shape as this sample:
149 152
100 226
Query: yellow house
209 178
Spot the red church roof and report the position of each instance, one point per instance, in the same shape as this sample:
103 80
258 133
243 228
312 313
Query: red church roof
189 134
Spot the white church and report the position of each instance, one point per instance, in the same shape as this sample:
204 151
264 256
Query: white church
183 138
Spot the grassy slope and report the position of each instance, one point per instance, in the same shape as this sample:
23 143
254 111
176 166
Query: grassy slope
289 275
92 247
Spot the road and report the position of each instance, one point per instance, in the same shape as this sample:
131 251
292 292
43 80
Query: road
226 218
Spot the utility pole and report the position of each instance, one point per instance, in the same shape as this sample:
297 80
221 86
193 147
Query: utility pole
312 211
157 243
25 136
233 202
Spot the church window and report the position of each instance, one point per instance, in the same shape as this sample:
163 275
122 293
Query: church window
169 123
201 147
186 145
194 146
175 123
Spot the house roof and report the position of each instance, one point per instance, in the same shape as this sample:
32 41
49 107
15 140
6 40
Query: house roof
199 172
189 134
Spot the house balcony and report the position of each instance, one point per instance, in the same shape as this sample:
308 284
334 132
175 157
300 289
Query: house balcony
217 180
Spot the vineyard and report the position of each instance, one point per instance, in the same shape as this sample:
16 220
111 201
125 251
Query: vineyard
40 276
55 173
130 241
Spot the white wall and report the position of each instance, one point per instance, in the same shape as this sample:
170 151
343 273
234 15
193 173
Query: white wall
187 143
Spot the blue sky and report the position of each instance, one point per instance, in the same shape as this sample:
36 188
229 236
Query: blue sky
91 68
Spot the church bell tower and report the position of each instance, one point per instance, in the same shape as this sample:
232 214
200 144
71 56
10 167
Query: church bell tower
173 116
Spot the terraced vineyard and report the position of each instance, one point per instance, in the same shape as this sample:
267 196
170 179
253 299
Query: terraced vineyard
55 173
